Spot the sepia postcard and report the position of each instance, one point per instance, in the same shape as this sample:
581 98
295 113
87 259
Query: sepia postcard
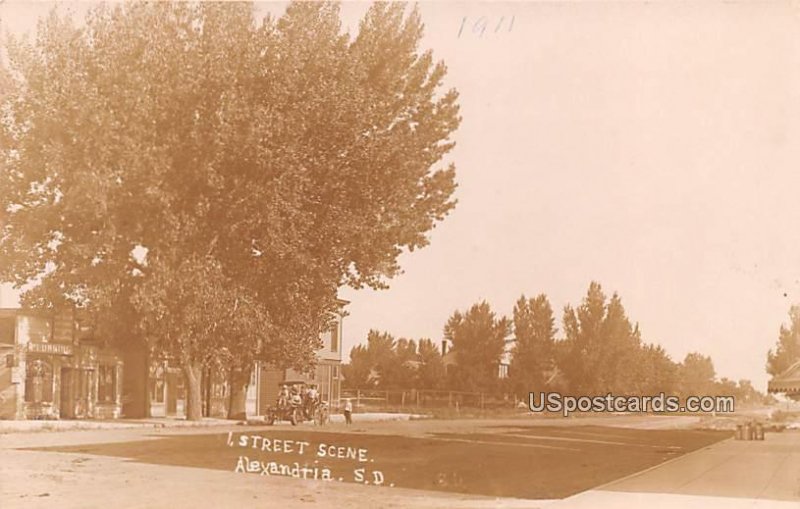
436 254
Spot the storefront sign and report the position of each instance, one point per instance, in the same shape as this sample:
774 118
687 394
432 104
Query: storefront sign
50 348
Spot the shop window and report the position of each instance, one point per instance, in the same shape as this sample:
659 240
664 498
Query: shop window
106 384
39 382
7 326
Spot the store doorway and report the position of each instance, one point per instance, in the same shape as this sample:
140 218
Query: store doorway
66 406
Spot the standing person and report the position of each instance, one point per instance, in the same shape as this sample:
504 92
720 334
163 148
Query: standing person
348 412
311 400
297 398
312 393
283 396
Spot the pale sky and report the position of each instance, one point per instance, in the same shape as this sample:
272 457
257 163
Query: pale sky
646 146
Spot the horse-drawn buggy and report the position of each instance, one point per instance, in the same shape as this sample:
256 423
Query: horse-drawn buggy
298 401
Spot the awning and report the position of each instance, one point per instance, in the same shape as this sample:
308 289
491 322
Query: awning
787 382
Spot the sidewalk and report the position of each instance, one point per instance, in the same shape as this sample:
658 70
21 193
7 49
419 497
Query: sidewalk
379 416
729 474
167 422
90 424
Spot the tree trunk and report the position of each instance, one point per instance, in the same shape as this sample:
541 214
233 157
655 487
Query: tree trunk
239 381
194 393
135 374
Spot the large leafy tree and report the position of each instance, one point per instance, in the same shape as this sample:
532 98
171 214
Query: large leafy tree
201 318
386 363
787 349
534 347
696 375
358 372
280 158
620 352
584 341
478 338
603 349
383 358
431 373
654 371
403 373
373 365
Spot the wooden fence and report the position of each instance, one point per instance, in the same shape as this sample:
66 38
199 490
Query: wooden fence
371 399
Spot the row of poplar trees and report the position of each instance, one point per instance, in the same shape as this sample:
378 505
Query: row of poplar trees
599 351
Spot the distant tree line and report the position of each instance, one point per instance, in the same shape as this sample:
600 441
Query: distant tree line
599 350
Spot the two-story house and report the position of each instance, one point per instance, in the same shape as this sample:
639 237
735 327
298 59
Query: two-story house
327 374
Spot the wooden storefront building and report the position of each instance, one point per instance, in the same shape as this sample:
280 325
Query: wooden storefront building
53 368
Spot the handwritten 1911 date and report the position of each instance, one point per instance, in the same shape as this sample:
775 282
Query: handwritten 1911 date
484 25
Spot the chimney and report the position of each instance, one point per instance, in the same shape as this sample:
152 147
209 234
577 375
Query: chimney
444 347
